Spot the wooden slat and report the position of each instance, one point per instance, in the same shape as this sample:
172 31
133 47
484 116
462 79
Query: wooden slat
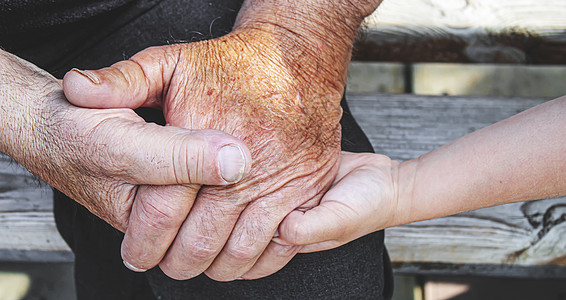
479 31
406 126
27 227
20 191
31 236
488 270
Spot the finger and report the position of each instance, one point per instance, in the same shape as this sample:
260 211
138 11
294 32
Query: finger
322 246
156 216
335 218
326 222
132 83
251 235
146 153
274 258
202 235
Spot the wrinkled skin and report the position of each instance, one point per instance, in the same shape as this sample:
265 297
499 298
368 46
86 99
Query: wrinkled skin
103 158
283 106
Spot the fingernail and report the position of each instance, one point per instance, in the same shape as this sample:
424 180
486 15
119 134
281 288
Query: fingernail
276 234
90 75
232 163
129 266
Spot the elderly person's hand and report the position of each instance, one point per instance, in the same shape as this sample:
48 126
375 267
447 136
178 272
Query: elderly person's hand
275 82
109 160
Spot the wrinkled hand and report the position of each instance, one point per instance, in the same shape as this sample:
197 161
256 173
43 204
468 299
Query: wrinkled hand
283 105
108 160
362 199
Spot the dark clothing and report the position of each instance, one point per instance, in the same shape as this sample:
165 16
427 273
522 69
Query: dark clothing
93 34
51 33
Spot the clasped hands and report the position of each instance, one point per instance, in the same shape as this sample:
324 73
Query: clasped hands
285 109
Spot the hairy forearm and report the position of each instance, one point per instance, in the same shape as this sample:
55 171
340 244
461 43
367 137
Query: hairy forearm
521 158
22 85
7 99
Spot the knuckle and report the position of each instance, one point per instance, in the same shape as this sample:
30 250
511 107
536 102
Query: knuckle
196 163
201 251
188 161
241 253
158 215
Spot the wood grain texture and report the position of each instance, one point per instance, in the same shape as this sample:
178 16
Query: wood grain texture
406 126
27 227
20 191
479 31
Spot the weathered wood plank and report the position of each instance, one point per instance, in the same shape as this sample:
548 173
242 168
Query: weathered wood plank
406 126
506 31
27 227
31 236
488 270
20 190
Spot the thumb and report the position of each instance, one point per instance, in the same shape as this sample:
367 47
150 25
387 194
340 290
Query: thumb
132 83
161 155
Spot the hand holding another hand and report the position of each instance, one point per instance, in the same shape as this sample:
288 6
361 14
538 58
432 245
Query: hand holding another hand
284 108
275 82
363 199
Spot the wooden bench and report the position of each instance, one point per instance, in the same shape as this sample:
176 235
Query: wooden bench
522 239
472 31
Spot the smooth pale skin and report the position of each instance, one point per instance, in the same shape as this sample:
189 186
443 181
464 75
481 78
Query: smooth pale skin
275 82
518 159
105 159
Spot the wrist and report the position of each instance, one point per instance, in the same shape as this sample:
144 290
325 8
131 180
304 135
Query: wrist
404 178
5 139
315 36
309 20
334 20
23 88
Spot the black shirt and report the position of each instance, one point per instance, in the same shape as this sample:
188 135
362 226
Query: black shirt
50 33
